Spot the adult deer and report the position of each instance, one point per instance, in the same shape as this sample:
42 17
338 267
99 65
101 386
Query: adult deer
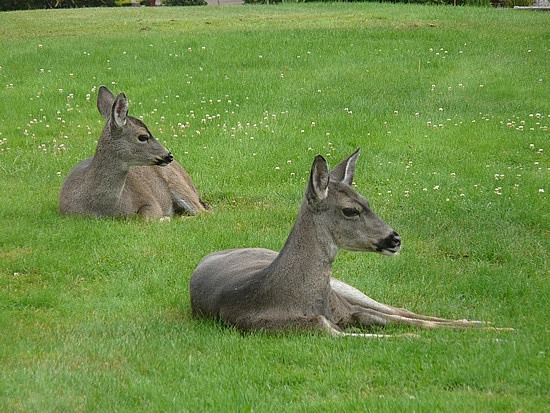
260 289
130 172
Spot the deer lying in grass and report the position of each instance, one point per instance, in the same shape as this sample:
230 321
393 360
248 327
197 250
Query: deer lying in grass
260 289
130 172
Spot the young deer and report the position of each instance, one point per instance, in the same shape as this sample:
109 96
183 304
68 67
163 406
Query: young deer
130 172
260 289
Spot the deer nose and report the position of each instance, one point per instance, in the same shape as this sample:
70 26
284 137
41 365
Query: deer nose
168 158
165 160
394 240
389 245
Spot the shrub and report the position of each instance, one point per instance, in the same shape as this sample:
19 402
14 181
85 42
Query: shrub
184 2
514 3
126 3
452 2
52 4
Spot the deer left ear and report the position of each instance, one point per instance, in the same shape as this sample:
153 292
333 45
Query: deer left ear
317 188
345 170
120 110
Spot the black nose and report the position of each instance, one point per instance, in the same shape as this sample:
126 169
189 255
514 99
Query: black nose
165 160
394 240
168 158
391 242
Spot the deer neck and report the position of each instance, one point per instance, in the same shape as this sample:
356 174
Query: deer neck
304 266
107 176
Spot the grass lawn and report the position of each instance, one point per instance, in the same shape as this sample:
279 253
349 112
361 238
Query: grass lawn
451 107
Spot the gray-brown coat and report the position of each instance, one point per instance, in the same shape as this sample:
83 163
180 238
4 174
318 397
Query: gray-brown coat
259 289
130 172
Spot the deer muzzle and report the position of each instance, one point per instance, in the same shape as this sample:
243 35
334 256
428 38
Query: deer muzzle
389 245
165 160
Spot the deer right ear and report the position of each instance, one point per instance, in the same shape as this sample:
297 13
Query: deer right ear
105 100
317 188
120 110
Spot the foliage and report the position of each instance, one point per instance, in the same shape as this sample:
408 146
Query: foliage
59 4
514 3
126 3
185 2
52 4
430 2
452 113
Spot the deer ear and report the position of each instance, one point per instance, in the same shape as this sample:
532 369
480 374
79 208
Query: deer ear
105 100
120 110
345 170
317 188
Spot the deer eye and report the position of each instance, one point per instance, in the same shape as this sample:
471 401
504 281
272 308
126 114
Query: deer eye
143 138
350 212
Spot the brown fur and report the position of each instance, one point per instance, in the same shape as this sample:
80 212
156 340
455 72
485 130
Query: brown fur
259 289
130 172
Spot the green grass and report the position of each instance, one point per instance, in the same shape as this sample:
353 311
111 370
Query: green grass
450 106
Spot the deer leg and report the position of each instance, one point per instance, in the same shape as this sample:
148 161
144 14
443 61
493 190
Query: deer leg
369 317
182 205
325 325
151 212
315 323
371 312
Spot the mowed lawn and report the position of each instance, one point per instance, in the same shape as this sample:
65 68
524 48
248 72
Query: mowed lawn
451 108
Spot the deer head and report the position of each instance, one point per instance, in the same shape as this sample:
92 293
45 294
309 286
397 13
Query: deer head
126 137
345 213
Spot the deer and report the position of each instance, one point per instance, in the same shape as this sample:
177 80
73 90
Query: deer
256 289
131 173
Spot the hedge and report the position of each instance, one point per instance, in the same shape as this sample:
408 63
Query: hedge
52 4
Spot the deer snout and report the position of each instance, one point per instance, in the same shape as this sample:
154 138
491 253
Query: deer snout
389 245
395 239
165 160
